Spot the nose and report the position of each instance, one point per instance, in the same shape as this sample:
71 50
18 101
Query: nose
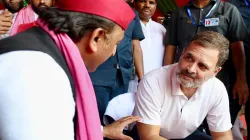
146 4
42 1
191 68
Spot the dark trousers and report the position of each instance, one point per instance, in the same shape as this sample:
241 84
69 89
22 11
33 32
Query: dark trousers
106 93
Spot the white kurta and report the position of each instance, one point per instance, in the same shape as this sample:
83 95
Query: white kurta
36 100
152 49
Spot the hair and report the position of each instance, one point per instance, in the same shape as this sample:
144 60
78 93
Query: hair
75 24
213 40
139 0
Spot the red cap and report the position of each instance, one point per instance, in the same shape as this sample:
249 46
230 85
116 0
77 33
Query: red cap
116 10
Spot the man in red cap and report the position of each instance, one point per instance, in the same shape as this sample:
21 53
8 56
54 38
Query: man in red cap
45 89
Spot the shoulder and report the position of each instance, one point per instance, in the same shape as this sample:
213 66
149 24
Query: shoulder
227 6
159 26
159 76
30 64
215 87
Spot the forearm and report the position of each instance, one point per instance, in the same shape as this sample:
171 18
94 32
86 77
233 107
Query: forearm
138 59
227 137
169 55
239 60
155 138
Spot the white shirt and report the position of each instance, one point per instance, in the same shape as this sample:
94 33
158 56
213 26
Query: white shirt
160 101
152 49
153 45
13 20
36 101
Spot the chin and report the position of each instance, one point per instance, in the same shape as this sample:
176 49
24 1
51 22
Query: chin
91 70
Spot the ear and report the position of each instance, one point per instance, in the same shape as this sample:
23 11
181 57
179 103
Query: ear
96 38
218 69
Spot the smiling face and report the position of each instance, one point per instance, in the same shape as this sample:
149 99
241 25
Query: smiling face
146 8
197 64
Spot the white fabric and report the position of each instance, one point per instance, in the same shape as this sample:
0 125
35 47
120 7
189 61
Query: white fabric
238 125
13 20
152 49
160 101
8 33
36 101
120 106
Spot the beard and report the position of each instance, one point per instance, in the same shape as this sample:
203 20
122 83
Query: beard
13 6
194 83
39 8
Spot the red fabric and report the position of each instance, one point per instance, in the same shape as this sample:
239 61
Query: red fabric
116 10
24 27
157 13
181 2
1 7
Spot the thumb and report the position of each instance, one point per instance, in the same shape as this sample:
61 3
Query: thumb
125 137
6 11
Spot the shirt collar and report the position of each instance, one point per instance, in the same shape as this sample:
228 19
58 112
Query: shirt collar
147 24
191 3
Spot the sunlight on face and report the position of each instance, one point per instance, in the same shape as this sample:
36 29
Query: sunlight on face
197 65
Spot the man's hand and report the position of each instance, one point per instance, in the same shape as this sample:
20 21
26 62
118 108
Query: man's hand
5 22
114 130
241 90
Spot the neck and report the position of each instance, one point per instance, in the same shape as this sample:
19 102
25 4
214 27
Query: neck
188 92
145 20
201 3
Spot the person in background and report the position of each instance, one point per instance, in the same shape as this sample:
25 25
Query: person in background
8 16
152 46
29 14
244 8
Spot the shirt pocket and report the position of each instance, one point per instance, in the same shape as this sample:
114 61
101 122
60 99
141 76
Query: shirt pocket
223 26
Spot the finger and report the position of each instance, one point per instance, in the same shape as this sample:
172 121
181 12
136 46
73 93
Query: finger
130 120
6 19
3 32
6 24
5 29
125 137
240 96
7 12
246 96
129 117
